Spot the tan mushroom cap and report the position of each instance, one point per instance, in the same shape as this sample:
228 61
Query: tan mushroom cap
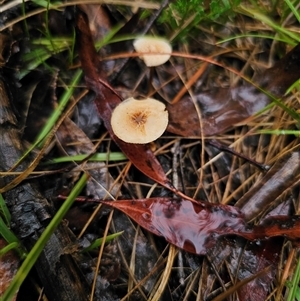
153 45
139 121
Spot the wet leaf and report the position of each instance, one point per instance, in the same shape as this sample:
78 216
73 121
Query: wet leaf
254 259
196 227
107 99
257 256
244 261
241 284
221 108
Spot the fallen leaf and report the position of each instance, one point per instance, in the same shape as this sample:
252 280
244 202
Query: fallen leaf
196 227
221 108
190 226
255 258
245 260
107 99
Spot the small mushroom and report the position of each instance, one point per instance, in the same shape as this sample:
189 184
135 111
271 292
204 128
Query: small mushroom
139 121
160 48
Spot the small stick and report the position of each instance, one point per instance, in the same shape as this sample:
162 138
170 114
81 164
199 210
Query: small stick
227 149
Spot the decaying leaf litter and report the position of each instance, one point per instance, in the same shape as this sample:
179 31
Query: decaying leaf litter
213 105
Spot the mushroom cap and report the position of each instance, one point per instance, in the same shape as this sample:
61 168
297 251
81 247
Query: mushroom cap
153 45
139 121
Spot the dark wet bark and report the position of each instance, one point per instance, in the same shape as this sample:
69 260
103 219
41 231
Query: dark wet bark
31 213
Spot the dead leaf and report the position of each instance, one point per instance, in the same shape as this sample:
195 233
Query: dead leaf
244 261
196 227
193 227
255 258
107 99
221 108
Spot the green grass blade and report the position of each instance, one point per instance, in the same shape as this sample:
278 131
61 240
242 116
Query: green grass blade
106 39
11 239
46 4
98 157
279 103
38 247
293 9
98 242
6 233
4 212
280 132
41 55
288 35
261 36
294 283
11 246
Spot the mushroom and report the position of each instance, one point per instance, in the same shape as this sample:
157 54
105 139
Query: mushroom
160 48
139 121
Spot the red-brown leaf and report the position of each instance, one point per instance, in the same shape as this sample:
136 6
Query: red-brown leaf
221 108
252 260
196 227
107 99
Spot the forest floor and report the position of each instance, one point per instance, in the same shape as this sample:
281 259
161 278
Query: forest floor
209 210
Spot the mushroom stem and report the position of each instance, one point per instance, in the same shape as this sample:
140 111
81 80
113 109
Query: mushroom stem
154 51
150 85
